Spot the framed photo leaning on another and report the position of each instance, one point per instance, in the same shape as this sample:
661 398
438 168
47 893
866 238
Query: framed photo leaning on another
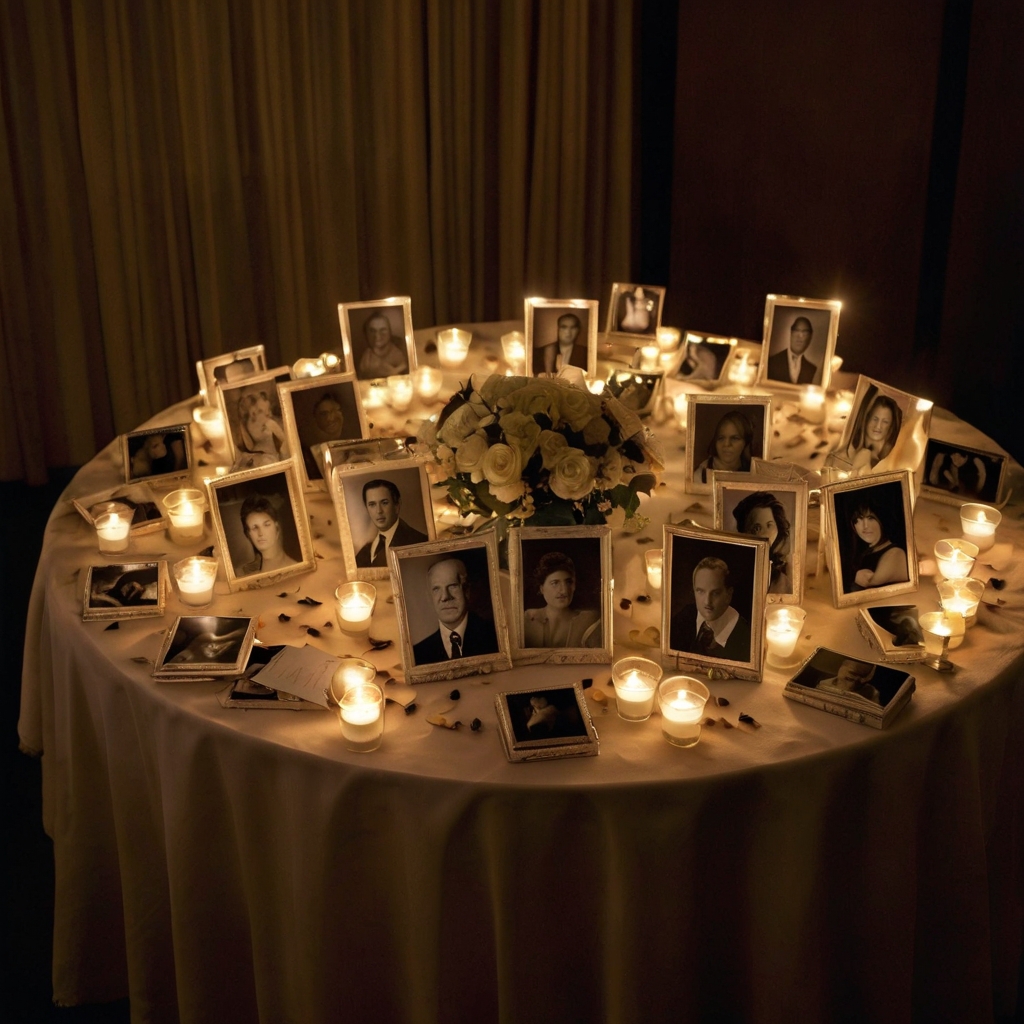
955 474
227 369
635 310
201 646
158 455
377 337
128 590
725 432
560 332
799 341
252 412
704 359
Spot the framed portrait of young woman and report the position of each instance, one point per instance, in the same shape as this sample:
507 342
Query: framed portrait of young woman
724 433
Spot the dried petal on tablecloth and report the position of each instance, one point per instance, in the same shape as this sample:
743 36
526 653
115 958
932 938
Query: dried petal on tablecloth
311 601
722 702
749 720
442 722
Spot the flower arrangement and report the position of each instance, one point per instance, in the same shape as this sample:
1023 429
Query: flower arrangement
544 450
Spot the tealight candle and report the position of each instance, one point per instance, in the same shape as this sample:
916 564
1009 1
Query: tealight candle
978 523
362 717
375 396
955 558
195 578
812 403
428 381
351 672
668 339
113 522
453 346
400 391
513 345
635 681
307 367
654 561
783 624
839 411
943 631
185 509
649 356
962 597
210 421
355 603
681 700
743 370
330 362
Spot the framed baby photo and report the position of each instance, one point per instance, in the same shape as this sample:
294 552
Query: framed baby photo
724 433
380 506
159 455
127 590
204 646
799 341
537 725
261 525
704 359
377 337
317 410
635 310
955 473
560 332
228 368
713 601
774 511
451 620
255 425
147 517
869 530
561 594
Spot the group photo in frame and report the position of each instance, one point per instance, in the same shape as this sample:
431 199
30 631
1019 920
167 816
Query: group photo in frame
228 368
560 333
561 594
704 359
125 590
634 310
445 587
869 531
261 525
955 473
158 455
799 341
380 506
252 414
541 724
713 600
199 646
377 337
773 511
724 433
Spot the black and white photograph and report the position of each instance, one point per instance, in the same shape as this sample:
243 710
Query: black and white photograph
713 599
378 338
545 723
203 645
833 674
159 455
129 590
635 309
261 526
255 424
560 333
450 615
725 433
799 341
893 630
871 551
147 514
954 473
704 358
229 368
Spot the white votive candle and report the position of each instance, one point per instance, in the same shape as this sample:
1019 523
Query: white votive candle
783 624
682 700
649 357
955 558
362 717
400 392
375 396
113 527
351 672
354 603
978 523
453 347
962 597
428 381
635 681
938 627
210 421
812 403
513 345
195 578
654 561
185 509
668 339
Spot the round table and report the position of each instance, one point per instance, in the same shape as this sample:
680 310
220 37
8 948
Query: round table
218 864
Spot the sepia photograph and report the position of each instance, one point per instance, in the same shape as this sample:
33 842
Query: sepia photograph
560 333
635 310
378 337
799 341
725 433
545 723
202 645
955 473
704 358
160 455
129 590
255 426
229 368
837 675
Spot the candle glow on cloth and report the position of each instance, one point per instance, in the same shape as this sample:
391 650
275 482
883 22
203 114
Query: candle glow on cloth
955 558
654 561
636 681
783 624
351 672
195 577
428 381
113 526
978 524
453 346
376 396
962 597
668 339
812 403
354 604
185 509
681 700
362 717
839 411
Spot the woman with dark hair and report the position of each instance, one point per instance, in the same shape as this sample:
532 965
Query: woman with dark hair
874 433
877 561
262 524
730 446
761 514
558 624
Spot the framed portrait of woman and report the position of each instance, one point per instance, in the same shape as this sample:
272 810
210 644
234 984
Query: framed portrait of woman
255 425
228 368
561 594
261 525
725 432
774 511
560 333
157 455
799 341
869 525
377 337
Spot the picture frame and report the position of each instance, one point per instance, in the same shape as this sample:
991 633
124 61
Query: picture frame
125 590
253 418
893 631
148 514
724 578
637 390
425 575
957 473
338 454
634 311
881 503
704 359
157 455
205 647
368 352
537 725
716 425
542 332
366 506
561 584
228 368
273 493
805 328
318 410
776 511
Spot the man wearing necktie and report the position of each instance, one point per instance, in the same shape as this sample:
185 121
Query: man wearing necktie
383 502
711 626
461 633
790 365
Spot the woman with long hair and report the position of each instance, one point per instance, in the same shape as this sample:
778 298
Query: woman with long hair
262 524
761 514
874 433
730 446
877 559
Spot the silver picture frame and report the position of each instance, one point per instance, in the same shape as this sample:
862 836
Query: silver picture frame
542 318
789 321
748 417
125 590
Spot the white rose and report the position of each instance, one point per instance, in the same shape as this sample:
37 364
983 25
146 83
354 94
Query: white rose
552 447
573 475
470 454
578 407
503 471
522 432
461 422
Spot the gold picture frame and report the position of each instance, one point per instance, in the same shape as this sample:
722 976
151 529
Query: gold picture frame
360 356
707 416
790 320
542 318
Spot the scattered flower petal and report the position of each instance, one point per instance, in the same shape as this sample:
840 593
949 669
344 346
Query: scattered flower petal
748 720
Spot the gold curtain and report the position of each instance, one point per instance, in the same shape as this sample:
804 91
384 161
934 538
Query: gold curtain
181 178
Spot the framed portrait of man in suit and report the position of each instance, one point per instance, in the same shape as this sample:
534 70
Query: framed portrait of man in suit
799 341
560 333
451 619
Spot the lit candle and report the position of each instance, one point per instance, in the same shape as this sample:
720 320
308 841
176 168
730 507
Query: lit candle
783 624
400 392
185 514
376 396
668 339
812 402
635 681
943 631
654 561
452 347
979 524
955 558
362 717
962 597
113 527
667 361
210 421
307 367
351 672
428 381
596 387
513 345
330 362
682 700
839 411
355 603
681 405
649 356
743 370
195 578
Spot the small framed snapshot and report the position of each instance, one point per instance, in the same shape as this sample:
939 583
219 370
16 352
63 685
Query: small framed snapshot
954 473
378 507
252 411
451 619
893 631
725 432
318 410
228 368
377 337
159 455
861 691
774 511
537 725
148 514
713 600
799 341
562 594
261 525
705 359
205 646
128 590
635 310
560 332
869 526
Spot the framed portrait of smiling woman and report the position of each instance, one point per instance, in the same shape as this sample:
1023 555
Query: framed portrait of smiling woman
261 524
726 432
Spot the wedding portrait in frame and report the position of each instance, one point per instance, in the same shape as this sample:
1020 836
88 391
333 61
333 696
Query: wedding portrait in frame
229 368
869 526
159 455
377 337
127 590
634 310
955 473
561 594
799 341
451 619
704 358
261 526
713 600
725 433
255 426
560 333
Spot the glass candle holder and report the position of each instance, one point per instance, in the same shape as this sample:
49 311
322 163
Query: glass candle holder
375 396
668 338
351 672
681 700
942 631
654 561
453 347
361 713
962 597
839 411
978 524
955 558
400 392
210 421
195 577
308 367
113 522
513 346
185 509
783 624
354 603
812 403
428 381
635 681
649 356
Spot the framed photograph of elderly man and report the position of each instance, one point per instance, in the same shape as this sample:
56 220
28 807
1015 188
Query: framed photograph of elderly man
384 505
261 525
713 601
561 594
228 368
560 333
799 341
635 310
451 619
726 432
377 338
158 455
